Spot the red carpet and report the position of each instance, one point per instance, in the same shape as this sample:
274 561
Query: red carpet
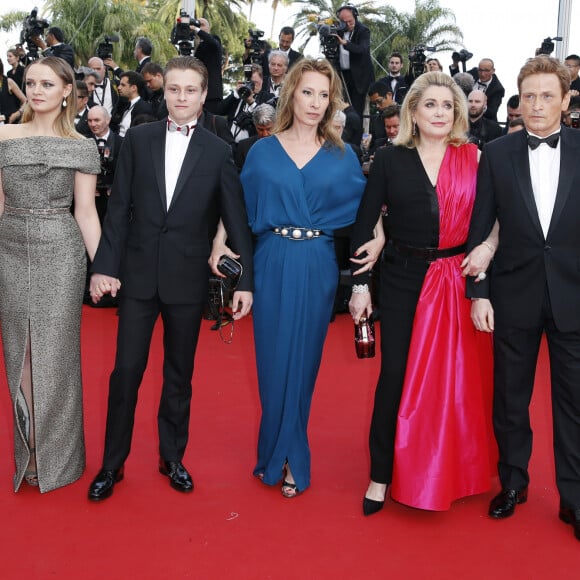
234 527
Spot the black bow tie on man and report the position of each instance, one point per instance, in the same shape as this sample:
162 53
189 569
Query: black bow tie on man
551 140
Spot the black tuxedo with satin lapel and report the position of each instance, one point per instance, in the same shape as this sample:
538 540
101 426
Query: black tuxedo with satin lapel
534 286
160 255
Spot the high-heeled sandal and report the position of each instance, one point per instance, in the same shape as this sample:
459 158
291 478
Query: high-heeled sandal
31 475
289 490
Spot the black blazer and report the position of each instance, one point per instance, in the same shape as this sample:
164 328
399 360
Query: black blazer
525 262
293 56
141 107
152 249
82 126
361 66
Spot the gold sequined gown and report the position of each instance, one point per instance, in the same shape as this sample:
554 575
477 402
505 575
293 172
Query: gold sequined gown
42 278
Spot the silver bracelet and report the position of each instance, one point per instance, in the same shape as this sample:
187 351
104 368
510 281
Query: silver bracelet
488 246
360 288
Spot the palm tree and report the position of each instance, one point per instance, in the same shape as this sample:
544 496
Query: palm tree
275 4
430 25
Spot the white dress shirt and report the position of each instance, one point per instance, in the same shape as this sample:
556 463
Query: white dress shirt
545 174
176 144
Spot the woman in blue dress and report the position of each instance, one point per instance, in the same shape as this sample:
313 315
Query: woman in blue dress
300 185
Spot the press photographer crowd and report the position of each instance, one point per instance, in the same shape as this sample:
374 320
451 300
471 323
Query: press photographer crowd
311 188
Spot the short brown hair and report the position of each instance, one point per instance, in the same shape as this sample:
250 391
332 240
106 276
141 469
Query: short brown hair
544 64
187 63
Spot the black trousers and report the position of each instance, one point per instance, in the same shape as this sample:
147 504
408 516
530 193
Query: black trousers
181 323
352 94
516 354
400 287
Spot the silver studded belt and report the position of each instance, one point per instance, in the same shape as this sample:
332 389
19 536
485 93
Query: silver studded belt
35 211
297 233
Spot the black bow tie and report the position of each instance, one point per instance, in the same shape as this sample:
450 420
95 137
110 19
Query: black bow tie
185 130
551 140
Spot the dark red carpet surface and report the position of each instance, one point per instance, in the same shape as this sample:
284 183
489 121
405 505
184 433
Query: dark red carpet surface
233 526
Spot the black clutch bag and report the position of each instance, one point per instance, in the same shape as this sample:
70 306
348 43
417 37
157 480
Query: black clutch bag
231 269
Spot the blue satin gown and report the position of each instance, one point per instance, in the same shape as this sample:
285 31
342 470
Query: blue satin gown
295 284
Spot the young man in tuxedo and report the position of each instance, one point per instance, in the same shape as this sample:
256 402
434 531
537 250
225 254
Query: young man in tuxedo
530 182
173 181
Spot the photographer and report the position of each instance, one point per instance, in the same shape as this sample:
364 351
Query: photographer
108 145
256 51
355 62
487 81
240 103
277 67
105 93
55 45
209 51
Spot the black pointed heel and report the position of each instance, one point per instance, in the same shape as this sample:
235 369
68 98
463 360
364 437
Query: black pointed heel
372 506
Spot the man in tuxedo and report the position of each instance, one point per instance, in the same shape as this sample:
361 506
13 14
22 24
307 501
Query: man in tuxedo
105 93
173 181
530 182
130 105
285 40
396 80
142 53
356 66
486 80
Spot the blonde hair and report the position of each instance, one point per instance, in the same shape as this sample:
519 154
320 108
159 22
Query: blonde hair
285 115
64 124
458 134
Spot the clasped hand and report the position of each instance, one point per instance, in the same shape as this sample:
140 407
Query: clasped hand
102 284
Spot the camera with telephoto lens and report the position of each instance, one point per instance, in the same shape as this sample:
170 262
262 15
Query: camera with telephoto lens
256 48
182 36
417 58
575 119
32 26
246 90
105 48
244 121
327 35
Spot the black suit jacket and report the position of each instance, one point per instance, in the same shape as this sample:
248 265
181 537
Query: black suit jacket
210 53
242 149
140 66
82 126
217 125
361 66
525 262
152 249
293 56
113 144
64 51
141 107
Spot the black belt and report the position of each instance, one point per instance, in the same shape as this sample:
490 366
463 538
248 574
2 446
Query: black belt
427 254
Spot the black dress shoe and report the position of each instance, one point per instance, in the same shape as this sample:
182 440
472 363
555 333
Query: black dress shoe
103 484
571 516
179 478
504 503
372 506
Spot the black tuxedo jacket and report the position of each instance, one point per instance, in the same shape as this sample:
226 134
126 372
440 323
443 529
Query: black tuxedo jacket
113 143
82 126
64 51
140 66
361 66
293 56
152 249
525 262
141 107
